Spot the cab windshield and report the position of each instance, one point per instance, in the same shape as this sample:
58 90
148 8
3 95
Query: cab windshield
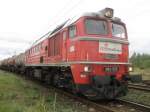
118 30
93 26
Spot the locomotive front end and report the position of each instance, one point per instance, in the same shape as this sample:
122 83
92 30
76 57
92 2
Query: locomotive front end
103 52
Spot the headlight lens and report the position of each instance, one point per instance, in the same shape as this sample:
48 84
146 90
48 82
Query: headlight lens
107 12
130 69
87 69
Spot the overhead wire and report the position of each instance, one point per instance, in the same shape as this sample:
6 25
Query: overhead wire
47 34
57 14
68 11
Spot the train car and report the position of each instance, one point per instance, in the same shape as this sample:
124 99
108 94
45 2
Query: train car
19 60
11 63
4 64
0 62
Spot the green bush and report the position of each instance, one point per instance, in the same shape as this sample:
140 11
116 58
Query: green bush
141 61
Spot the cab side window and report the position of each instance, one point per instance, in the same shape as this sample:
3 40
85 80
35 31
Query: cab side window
72 31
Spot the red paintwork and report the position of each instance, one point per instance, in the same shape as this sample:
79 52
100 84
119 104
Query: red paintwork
62 53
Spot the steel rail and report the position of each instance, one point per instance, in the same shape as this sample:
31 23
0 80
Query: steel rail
144 108
98 107
147 82
139 87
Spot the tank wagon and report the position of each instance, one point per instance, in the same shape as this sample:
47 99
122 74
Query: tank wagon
88 55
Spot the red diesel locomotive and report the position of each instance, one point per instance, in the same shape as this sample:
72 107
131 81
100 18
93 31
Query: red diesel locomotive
88 55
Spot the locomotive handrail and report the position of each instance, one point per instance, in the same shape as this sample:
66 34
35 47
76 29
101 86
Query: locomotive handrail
47 34
59 27
105 39
80 62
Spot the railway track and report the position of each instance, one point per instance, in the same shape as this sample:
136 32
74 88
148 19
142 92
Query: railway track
147 82
103 106
139 87
144 108
99 106
81 99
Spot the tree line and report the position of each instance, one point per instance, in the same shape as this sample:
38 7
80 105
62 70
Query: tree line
140 60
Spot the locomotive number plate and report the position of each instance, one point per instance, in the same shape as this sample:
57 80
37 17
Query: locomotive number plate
110 47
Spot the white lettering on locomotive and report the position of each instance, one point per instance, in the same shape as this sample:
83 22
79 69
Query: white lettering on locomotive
110 47
72 49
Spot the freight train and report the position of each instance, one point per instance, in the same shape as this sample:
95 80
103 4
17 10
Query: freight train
87 55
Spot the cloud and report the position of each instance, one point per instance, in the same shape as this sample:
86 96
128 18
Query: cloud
15 40
23 22
15 37
10 48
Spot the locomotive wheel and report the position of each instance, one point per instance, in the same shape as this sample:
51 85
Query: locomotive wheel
55 80
27 72
48 79
73 87
43 76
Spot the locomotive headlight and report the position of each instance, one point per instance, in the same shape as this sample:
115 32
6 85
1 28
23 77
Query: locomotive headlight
130 69
87 69
107 12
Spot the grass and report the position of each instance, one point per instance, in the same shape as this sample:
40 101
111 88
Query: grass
20 95
138 96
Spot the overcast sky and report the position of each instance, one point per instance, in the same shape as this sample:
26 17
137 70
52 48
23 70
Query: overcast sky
24 21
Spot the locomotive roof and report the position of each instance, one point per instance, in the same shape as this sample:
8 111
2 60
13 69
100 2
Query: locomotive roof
69 22
58 28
